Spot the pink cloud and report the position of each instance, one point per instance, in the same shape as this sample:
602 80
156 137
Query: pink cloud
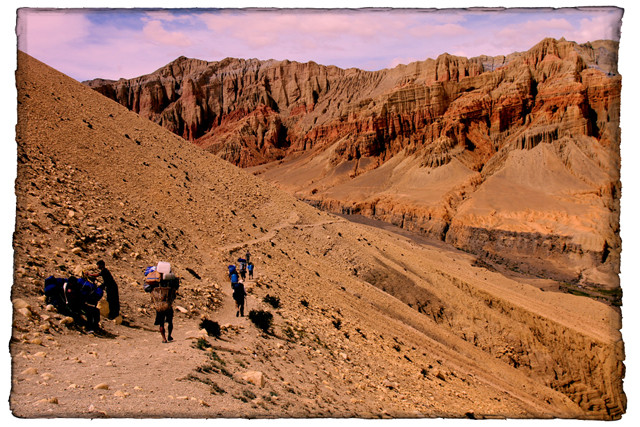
155 33
445 30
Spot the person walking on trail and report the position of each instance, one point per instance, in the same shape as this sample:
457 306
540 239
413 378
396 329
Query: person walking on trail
233 275
250 269
162 317
110 286
243 272
239 296
163 293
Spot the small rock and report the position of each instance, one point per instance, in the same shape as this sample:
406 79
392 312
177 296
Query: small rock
182 397
72 386
440 376
194 335
102 386
254 377
203 403
30 371
391 385
19 303
66 321
46 376
25 312
181 309
52 400
41 354
76 250
121 394
36 341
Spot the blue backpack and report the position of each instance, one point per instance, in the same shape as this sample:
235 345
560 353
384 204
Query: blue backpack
54 290
90 292
234 277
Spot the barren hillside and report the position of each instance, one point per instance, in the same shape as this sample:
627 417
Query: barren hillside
370 323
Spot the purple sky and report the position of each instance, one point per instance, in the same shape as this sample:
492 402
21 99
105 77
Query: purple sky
116 43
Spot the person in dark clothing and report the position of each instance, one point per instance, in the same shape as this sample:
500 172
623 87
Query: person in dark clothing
54 293
78 305
111 288
239 295
162 296
250 270
243 272
162 317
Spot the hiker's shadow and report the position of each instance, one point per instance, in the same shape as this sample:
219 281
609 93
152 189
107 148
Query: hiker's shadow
105 334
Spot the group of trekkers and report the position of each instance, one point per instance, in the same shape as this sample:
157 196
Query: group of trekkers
235 275
78 297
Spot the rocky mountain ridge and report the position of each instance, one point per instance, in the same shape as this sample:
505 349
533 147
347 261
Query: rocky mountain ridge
369 323
426 145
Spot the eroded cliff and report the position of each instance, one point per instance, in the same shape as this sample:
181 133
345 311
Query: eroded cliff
514 158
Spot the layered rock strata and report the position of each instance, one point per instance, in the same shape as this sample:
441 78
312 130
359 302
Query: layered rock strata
513 158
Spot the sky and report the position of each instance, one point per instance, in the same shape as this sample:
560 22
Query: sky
114 43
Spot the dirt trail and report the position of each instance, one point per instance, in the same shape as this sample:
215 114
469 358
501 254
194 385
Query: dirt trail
291 221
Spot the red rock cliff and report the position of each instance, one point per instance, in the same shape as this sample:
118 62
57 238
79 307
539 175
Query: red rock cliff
453 147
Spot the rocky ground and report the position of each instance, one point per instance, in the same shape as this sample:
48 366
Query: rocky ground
368 323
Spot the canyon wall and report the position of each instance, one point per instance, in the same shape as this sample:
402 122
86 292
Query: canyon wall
513 158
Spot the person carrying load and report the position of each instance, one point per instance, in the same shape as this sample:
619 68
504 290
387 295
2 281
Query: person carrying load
162 284
233 275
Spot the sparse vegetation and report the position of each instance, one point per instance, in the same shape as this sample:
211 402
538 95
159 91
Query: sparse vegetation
262 319
289 333
202 344
215 388
212 328
217 358
249 394
272 301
